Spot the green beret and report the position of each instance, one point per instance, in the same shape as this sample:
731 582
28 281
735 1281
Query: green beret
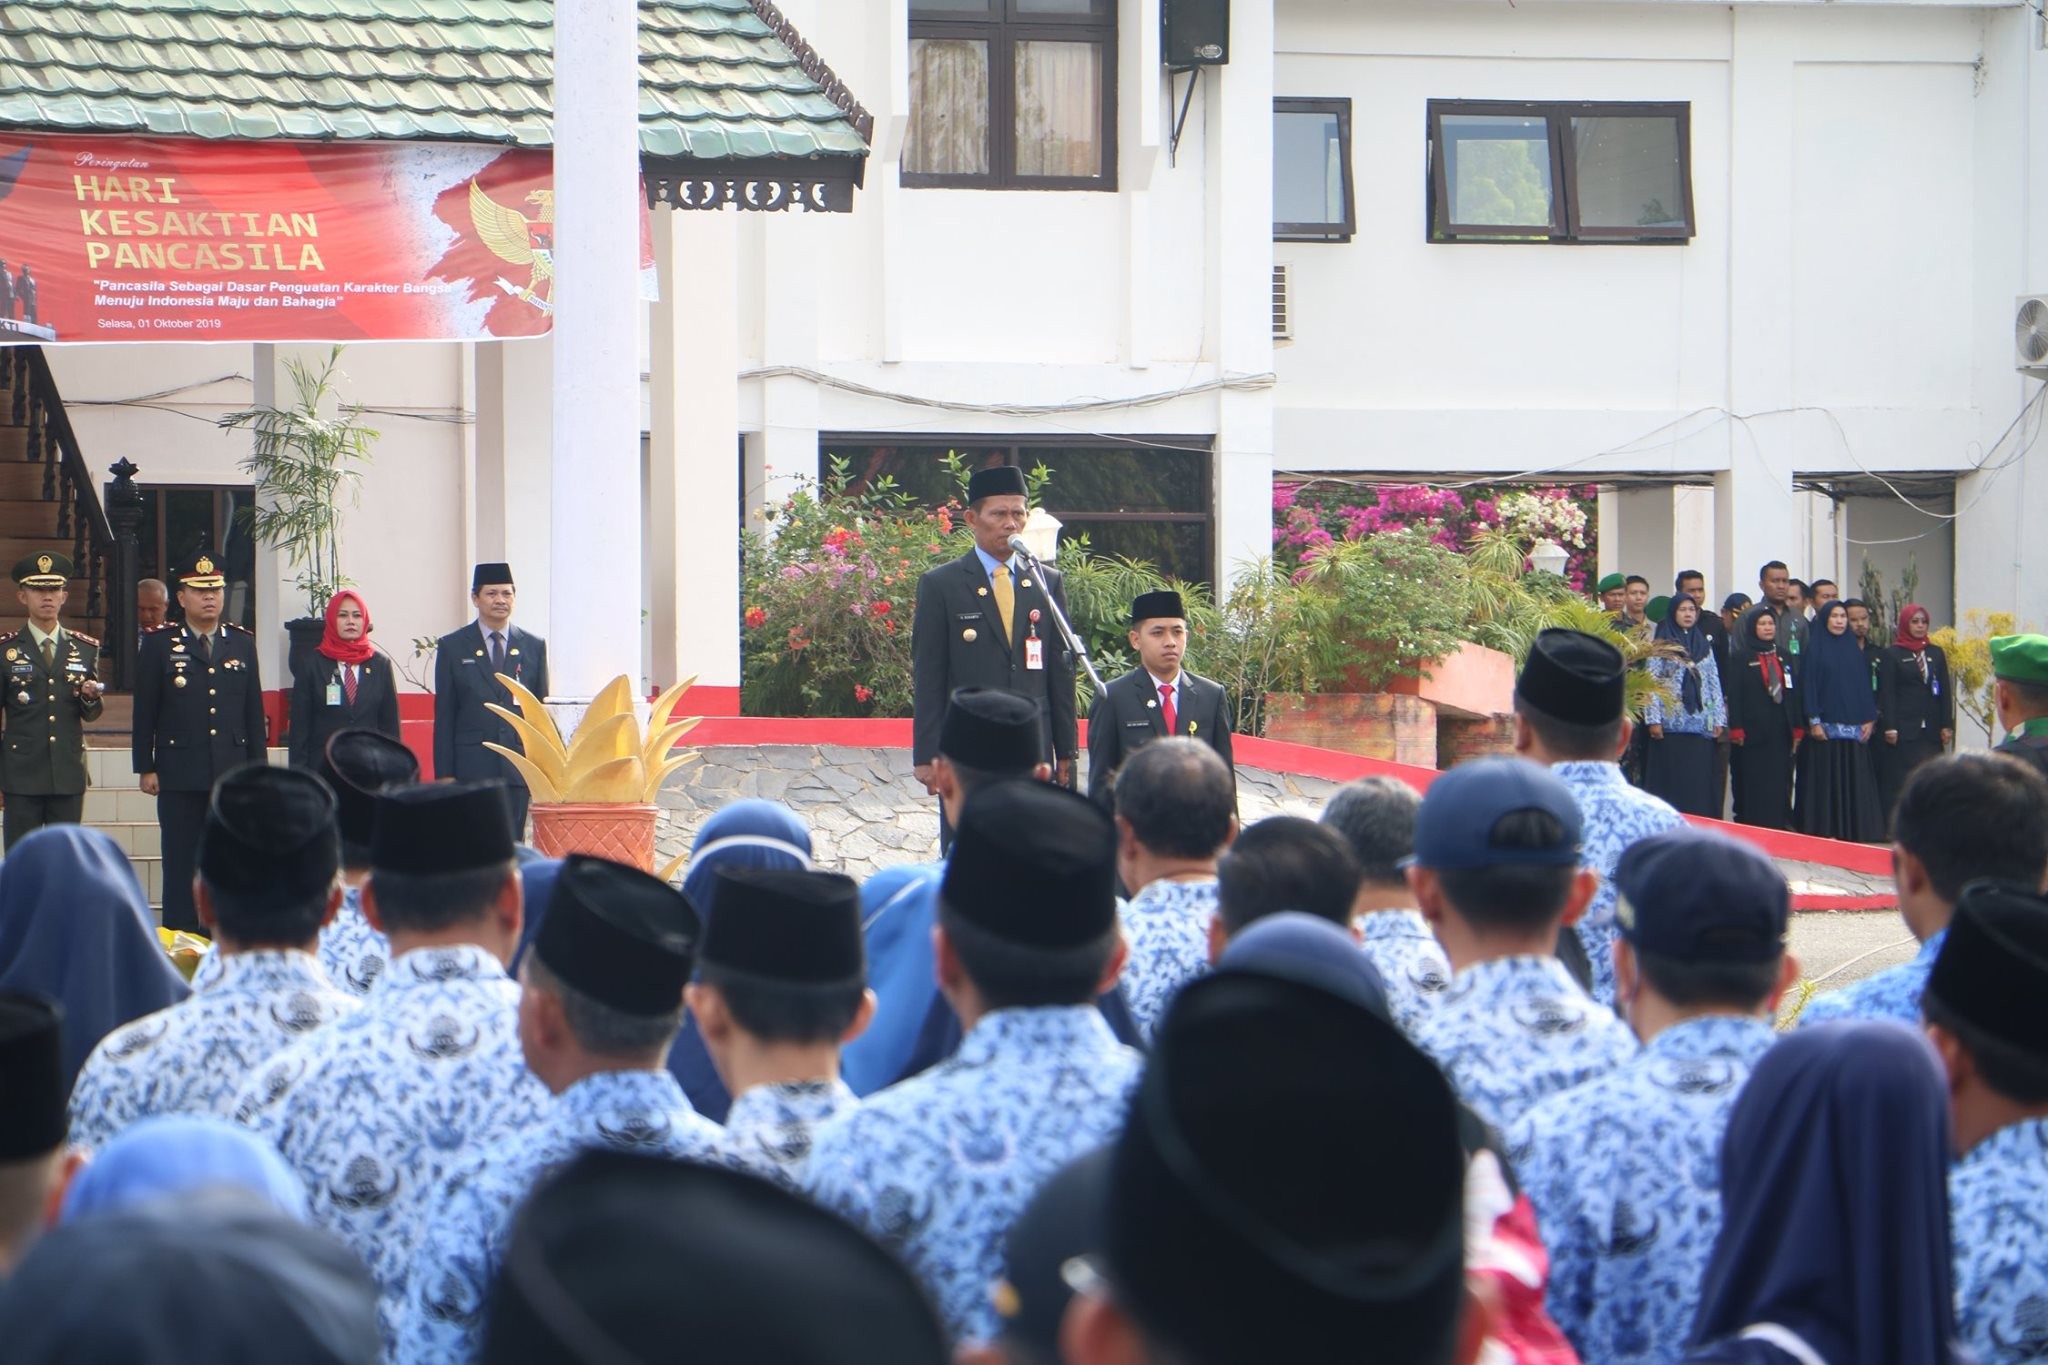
1612 582
2021 658
1658 608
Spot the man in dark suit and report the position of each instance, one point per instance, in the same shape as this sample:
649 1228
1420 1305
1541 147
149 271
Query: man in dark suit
51 691
1155 699
198 715
467 665
985 620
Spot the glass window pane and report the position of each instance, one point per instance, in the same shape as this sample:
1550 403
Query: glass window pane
1059 109
952 9
1308 167
948 107
1059 6
1628 172
1179 549
1117 479
1497 169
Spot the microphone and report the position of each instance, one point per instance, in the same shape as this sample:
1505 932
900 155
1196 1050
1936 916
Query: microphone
1018 546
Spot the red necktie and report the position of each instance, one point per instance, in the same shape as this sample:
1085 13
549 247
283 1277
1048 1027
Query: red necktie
1166 706
348 682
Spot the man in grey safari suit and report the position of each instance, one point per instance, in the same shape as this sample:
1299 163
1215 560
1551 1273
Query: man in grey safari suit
985 620
467 664
1155 699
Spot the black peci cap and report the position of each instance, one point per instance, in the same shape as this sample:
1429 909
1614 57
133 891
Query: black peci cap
270 831
1033 865
621 936
1149 605
1992 971
1357 1236
1575 678
359 765
783 924
489 575
994 482
597 1255
1698 897
33 1086
440 827
992 730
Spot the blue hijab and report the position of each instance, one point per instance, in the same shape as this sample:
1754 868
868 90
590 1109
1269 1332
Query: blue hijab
1308 949
175 1153
1837 679
756 834
74 927
1834 1194
898 907
537 874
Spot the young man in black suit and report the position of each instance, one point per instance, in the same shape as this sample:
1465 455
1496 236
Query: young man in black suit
467 664
985 620
1155 699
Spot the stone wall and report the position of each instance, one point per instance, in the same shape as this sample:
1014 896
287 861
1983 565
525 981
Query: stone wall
864 808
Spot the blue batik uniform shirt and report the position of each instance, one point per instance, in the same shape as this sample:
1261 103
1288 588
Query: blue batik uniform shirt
463 1225
937 1168
1998 1211
195 1057
1625 1175
1893 993
1411 963
1516 1030
352 952
1167 927
1614 815
385 1103
771 1128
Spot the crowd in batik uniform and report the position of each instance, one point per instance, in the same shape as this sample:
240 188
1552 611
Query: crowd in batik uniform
1487 1074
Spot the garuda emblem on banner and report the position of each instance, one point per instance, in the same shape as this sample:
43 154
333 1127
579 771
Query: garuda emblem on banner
519 240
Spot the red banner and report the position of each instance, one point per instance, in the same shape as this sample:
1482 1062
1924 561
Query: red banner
164 239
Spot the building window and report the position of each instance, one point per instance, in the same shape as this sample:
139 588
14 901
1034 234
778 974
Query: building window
1560 172
1012 94
1153 501
1312 197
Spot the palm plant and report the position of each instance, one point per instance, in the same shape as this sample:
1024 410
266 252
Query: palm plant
302 461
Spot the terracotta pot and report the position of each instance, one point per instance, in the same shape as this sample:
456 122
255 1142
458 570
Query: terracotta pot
624 834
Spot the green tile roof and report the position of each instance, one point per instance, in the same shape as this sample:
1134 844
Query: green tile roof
718 81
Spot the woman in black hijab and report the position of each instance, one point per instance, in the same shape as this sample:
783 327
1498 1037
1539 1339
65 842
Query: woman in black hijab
1763 722
1838 796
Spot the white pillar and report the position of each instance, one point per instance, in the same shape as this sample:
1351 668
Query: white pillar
594 589
693 450
514 431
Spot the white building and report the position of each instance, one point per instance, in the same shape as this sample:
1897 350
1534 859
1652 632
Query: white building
1862 195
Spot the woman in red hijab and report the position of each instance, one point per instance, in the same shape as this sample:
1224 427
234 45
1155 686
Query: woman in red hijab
1916 705
346 687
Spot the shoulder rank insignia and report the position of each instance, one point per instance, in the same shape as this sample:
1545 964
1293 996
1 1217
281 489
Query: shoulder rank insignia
241 629
83 638
165 626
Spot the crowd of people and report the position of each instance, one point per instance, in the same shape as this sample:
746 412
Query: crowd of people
1781 709
1483 1074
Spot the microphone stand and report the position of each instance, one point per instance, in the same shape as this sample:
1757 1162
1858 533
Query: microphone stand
1073 641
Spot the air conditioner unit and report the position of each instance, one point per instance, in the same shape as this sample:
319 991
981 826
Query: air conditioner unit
1283 304
2030 335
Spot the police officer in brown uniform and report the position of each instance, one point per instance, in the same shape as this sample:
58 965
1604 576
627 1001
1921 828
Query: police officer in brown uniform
51 690
198 714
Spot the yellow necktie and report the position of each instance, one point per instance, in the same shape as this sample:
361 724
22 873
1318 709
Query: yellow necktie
1006 600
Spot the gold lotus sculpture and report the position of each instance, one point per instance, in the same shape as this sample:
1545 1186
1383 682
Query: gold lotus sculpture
608 761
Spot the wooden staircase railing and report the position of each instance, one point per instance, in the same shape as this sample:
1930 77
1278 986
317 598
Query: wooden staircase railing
67 483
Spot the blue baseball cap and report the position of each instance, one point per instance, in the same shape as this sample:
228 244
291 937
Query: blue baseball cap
1695 896
1455 824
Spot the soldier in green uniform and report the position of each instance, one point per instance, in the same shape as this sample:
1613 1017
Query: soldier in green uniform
52 689
2020 664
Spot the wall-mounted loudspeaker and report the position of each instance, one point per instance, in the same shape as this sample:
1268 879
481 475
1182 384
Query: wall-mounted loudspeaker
1195 32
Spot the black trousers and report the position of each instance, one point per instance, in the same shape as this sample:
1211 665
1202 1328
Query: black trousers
26 814
518 798
180 815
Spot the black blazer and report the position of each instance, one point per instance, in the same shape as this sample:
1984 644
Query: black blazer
956 640
1126 717
196 719
314 722
463 684
1915 709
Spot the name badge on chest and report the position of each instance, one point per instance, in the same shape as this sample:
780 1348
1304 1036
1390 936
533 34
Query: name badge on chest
1034 653
334 694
